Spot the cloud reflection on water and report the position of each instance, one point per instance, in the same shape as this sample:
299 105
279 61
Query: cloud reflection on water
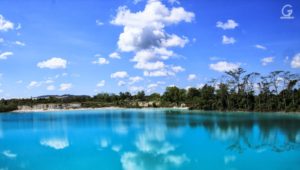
153 151
116 148
121 129
55 143
9 154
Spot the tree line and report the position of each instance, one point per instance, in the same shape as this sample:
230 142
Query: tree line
236 90
241 91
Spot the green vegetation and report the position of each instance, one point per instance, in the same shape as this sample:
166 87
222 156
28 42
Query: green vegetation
6 106
235 91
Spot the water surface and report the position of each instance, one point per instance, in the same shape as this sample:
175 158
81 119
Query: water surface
137 139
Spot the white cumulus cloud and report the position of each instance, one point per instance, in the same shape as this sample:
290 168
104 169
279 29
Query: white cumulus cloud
53 63
121 83
295 63
267 60
144 29
177 69
150 65
192 77
101 61
101 83
5 25
20 43
115 55
119 74
4 55
135 79
228 40
65 86
144 34
258 46
223 66
158 73
175 41
33 84
230 24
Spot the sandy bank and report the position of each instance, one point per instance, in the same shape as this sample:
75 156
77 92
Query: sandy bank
57 110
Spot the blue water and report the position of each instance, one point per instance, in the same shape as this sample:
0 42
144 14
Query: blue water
137 139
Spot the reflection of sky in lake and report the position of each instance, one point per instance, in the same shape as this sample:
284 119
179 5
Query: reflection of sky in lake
148 139
152 152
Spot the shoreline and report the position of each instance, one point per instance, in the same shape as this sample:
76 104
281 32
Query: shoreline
57 110
97 108
151 108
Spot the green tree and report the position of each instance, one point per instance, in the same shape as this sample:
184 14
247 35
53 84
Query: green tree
222 97
141 96
174 95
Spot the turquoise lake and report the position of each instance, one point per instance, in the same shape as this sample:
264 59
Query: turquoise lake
154 139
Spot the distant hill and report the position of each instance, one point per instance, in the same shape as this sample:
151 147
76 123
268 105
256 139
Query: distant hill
60 96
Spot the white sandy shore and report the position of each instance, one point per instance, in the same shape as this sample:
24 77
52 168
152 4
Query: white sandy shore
151 108
99 108
56 110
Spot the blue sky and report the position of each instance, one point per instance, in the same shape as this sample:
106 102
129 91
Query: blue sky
92 46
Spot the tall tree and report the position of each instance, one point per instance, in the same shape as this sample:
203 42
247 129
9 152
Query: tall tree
235 76
222 97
